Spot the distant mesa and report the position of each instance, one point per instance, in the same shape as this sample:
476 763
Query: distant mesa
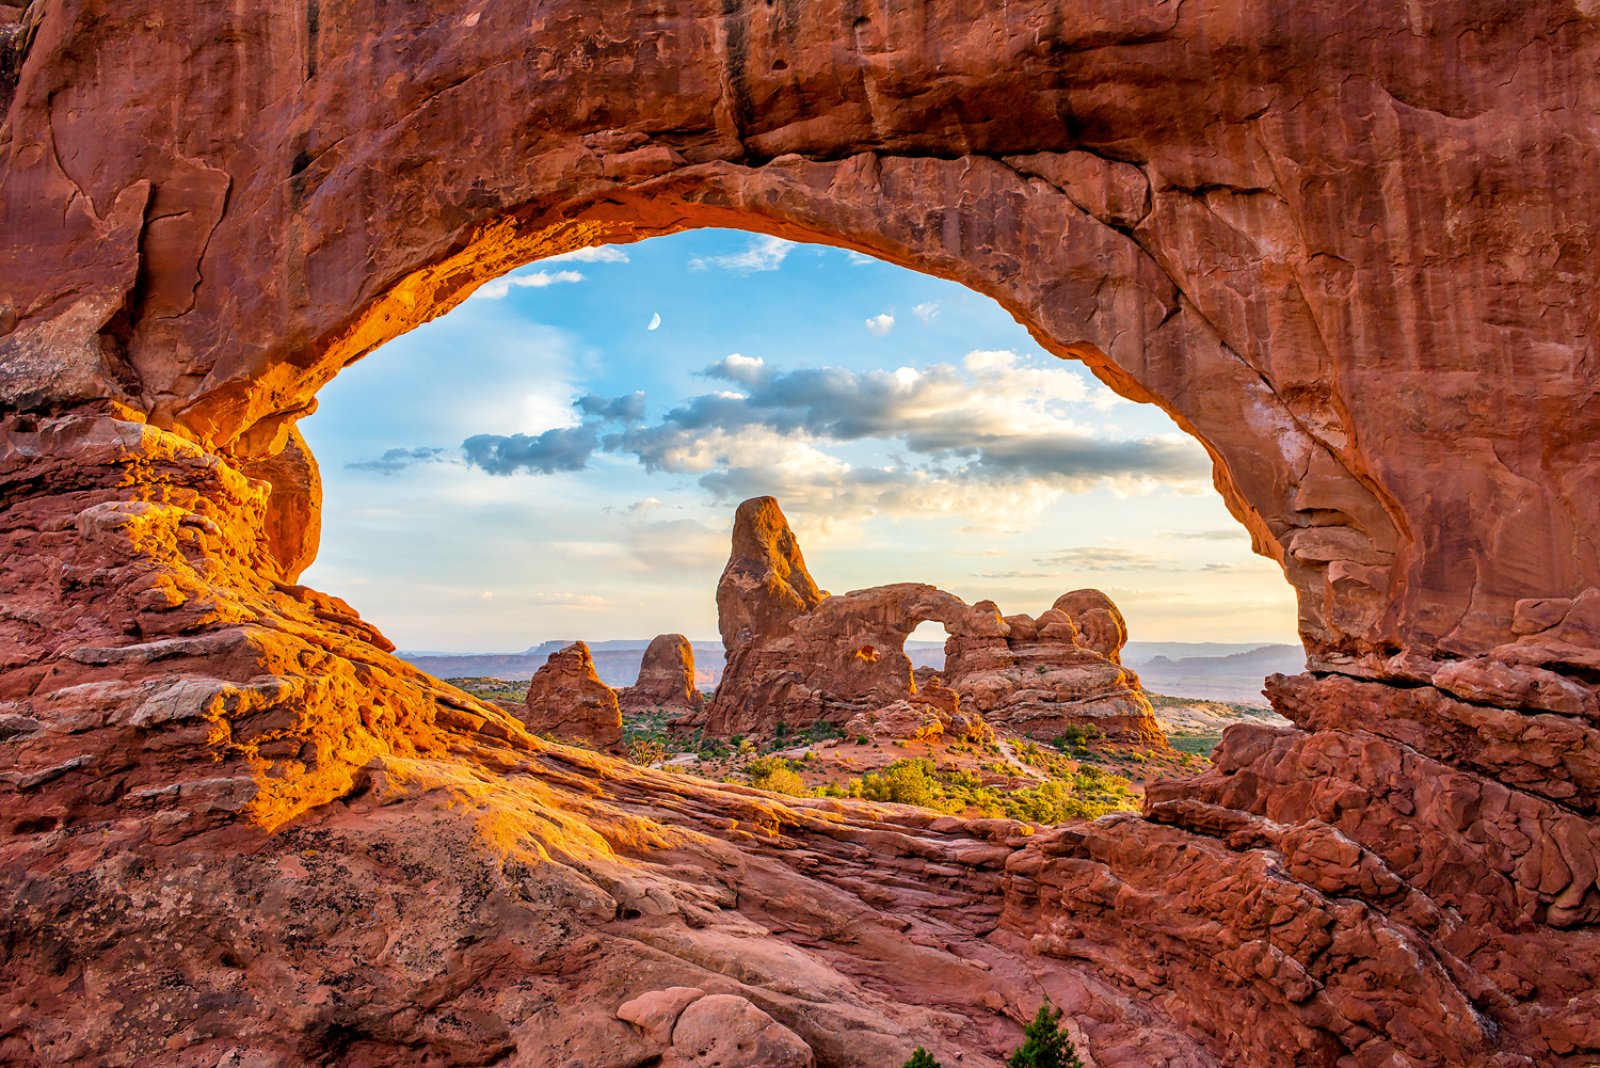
1233 676
567 700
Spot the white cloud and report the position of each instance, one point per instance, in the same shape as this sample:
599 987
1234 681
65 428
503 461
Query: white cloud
500 287
737 367
596 254
813 482
926 312
880 324
764 254
996 438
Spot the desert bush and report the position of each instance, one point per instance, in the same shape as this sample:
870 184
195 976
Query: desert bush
774 773
646 751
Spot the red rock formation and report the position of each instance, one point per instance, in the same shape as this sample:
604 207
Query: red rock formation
1046 676
931 712
567 700
765 586
1349 247
798 659
666 679
294 504
1097 621
847 655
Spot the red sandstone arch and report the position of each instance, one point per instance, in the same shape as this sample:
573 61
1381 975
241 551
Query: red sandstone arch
1351 250
1214 252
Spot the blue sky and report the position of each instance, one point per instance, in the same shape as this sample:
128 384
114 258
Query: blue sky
542 463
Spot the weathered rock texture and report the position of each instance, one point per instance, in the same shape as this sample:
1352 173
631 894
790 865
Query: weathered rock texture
930 713
1046 676
666 679
567 700
1351 248
797 655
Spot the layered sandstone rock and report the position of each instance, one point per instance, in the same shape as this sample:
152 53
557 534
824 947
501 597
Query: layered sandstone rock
1349 248
567 700
927 715
666 679
1045 677
764 586
796 655
693 1029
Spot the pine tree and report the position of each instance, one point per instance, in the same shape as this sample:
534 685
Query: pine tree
1045 1044
922 1059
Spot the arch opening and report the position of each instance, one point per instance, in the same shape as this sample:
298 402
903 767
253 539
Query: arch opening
1029 478
1089 294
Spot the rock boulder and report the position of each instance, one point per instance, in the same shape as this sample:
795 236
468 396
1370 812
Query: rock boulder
567 700
666 679
1044 677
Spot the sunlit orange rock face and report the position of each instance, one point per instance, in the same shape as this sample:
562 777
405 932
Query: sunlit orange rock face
567 700
797 655
1349 247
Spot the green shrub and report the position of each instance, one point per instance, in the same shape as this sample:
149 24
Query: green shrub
922 1059
1044 1043
906 782
774 773
646 751
822 730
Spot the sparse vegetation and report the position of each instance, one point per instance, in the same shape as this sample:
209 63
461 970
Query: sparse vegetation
1243 709
1196 744
493 690
1069 790
646 751
774 773
822 730
1077 739
1044 1043
1083 793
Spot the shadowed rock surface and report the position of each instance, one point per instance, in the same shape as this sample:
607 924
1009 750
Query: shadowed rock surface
567 699
1350 248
